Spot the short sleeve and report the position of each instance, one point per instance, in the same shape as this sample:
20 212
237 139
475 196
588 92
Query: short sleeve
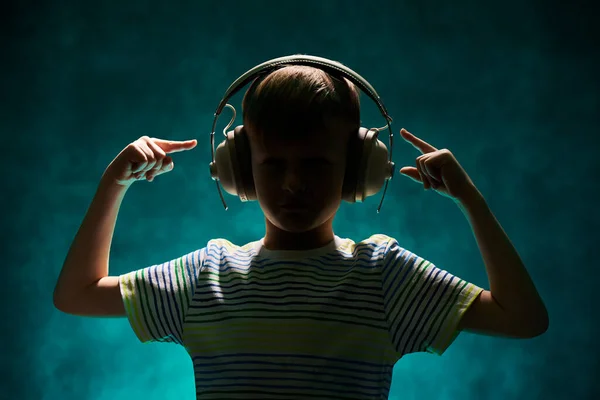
423 304
157 298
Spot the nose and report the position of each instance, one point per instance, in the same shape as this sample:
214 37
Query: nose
293 181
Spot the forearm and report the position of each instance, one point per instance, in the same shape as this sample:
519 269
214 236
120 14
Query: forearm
87 259
510 283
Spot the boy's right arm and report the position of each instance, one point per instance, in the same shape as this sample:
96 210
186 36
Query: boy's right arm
84 286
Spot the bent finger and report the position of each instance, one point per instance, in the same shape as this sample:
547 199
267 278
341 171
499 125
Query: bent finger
167 166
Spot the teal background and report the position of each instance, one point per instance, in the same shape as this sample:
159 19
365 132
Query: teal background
508 87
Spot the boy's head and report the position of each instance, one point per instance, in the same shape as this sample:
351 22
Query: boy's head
299 121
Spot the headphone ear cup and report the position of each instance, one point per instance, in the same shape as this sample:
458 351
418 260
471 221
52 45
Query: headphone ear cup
233 166
222 168
373 168
244 162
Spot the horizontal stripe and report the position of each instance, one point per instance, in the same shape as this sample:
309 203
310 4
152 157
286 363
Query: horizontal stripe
232 362
330 324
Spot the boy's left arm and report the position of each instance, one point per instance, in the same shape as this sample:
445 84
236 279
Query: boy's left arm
512 306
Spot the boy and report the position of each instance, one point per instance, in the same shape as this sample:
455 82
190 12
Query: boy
301 313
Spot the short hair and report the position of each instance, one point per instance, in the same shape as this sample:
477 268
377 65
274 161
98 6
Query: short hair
296 101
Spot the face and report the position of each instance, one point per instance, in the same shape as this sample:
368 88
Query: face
299 188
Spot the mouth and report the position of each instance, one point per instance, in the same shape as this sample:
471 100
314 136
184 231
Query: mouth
294 207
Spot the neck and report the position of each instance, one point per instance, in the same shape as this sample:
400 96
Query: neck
277 239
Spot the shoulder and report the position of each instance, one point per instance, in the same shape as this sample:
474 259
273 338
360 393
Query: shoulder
379 239
379 242
375 246
220 247
221 244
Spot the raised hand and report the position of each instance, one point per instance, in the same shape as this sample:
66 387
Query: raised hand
145 158
438 170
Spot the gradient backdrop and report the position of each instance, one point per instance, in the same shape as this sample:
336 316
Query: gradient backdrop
508 87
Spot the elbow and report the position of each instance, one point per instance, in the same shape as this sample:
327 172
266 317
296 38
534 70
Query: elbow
59 304
56 298
543 327
538 331
538 324
60 301
65 296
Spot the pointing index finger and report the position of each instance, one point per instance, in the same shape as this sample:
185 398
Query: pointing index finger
174 146
419 144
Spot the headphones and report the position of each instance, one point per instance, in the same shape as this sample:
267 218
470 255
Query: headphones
231 163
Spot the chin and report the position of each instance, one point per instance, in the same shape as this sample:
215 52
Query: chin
295 226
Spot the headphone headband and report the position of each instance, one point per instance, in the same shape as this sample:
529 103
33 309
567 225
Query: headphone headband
299 59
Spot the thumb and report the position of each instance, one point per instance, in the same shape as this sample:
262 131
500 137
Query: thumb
412 173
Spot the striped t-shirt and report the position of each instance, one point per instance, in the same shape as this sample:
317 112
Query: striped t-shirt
317 324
